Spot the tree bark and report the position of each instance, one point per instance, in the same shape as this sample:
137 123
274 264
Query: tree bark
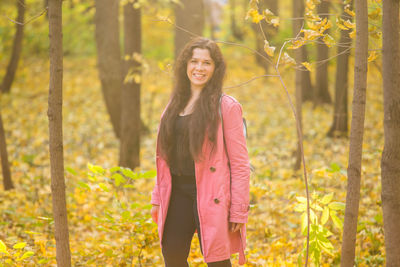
109 58
16 50
269 31
236 31
356 135
298 11
390 164
321 93
189 15
130 117
339 125
63 254
5 165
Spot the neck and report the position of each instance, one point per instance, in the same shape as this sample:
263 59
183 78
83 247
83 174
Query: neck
195 92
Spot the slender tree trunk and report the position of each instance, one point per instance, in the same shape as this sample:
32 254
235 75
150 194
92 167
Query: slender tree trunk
356 135
236 31
298 10
5 165
63 254
321 94
339 125
390 164
306 85
269 31
109 58
16 50
130 117
189 15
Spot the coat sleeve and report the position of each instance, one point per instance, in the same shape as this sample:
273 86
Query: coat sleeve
235 142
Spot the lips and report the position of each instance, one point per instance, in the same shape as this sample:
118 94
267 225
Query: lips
198 75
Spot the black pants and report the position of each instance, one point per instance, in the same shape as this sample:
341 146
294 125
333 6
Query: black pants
181 222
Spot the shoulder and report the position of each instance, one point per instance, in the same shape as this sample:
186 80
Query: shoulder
227 102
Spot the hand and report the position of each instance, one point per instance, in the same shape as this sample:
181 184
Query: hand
154 213
233 227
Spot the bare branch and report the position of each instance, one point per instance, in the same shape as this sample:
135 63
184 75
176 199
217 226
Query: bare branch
29 20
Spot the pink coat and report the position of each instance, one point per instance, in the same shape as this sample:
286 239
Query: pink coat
222 192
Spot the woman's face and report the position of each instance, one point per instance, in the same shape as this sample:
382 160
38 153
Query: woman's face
200 68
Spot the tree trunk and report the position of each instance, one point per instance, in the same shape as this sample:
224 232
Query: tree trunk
109 58
390 164
269 31
16 50
321 93
189 15
298 11
306 85
356 135
130 117
5 165
236 31
339 125
63 255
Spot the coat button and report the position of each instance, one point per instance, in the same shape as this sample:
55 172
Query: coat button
212 169
216 200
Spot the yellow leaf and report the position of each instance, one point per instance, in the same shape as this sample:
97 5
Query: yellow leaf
3 248
275 22
296 43
254 15
19 245
268 49
310 34
328 40
349 24
353 34
307 65
325 215
287 59
348 11
268 12
372 56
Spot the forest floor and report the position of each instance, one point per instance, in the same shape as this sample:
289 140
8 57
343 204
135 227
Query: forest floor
110 225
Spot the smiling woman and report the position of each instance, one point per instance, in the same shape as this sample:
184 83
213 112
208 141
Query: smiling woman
202 182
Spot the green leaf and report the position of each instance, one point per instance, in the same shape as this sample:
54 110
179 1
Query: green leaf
336 206
313 217
84 185
104 187
119 179
333 168
304 223
126 215
115 169
301 199
3 248
19 245
300 207
149 174
129 173
327 198
128 186
336 221
96 169
318 207
26 255
325 215
71 171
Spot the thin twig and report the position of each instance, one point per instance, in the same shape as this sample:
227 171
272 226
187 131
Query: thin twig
29 20
252 79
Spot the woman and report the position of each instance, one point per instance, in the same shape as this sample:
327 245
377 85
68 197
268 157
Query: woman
202 164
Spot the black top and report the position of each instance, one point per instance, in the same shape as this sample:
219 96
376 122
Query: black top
182 163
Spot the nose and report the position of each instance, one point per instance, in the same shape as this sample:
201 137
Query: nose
199 66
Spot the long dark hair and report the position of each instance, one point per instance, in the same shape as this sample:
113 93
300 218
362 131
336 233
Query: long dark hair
205 117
